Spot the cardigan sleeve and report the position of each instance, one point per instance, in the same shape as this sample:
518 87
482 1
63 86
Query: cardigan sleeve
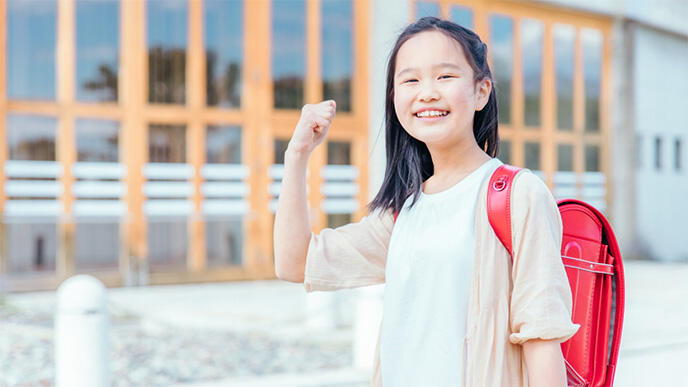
541 296
349 256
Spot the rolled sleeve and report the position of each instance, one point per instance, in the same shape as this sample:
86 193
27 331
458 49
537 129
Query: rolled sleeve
541 297
349 256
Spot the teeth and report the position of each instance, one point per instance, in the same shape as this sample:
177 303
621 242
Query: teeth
431 113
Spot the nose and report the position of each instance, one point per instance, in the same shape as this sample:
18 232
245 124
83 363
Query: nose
428 92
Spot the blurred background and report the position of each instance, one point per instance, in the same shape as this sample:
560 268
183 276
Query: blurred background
142 142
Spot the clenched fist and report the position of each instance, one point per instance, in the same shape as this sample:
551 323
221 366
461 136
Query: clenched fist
312 126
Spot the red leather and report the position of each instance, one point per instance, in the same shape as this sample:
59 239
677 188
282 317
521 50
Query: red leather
592 261
499 202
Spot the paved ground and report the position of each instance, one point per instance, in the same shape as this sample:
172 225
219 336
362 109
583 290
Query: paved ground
254 335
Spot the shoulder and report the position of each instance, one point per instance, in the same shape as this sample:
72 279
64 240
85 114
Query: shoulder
530 187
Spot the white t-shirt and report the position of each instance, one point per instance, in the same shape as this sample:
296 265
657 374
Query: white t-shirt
427 276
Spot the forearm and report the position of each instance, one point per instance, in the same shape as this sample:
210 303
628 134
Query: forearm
545 363
292 227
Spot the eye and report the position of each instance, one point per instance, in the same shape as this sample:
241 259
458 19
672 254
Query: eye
409 80
446 76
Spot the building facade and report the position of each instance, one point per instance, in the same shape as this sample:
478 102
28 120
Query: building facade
142 141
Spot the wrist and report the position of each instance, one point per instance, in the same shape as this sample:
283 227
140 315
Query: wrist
296 152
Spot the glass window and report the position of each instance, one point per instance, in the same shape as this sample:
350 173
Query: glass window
167 144
97 140
224 241
288 52
592 158
224 42
280 148
339 152
505 151
462 16
31 31
564 53
658 153
32 247
223 144
167 51
337 52
532 32
167 244
565 157
336 220
592 69
97 246
677 154
532 155
97 50
427 8
31 137
502 45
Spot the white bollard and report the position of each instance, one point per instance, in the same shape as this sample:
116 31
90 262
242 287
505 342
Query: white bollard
82 351
368 316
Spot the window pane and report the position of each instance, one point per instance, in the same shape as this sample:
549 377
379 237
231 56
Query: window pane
502 45
564 51
565 157
97 50
592 69
337 52
31 247
97 140
97 246
224 39
167 51
31 32
462 16
31 137
167 144
167 244
677 154
592 158
224 241
532 41
223 144
288 52
427 8
336 220
658 153
280 148
339 152
505 151
532 153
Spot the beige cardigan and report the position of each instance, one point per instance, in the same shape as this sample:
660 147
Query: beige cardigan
509 303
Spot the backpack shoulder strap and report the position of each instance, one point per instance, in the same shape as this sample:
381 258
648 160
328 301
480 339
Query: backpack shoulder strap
499 203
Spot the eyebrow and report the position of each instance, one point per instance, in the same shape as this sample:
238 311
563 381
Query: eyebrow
445 64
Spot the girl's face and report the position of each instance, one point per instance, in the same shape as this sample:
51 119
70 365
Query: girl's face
435 96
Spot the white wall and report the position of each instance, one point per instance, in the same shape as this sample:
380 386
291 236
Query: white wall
665 14
661 109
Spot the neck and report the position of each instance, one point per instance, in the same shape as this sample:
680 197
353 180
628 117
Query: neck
456 160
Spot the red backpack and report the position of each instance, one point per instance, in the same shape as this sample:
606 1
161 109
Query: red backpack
594 268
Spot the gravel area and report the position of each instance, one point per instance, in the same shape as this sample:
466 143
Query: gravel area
150 353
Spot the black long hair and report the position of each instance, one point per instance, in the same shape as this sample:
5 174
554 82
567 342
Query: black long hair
408 160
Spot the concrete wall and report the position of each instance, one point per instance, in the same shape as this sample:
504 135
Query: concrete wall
660 79
664 14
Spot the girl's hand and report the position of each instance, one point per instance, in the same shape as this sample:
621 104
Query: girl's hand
312 126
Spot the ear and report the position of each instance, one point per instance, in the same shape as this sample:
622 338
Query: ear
484 87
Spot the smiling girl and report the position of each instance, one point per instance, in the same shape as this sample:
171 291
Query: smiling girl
458 309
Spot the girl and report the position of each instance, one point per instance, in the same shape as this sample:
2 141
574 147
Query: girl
458 309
